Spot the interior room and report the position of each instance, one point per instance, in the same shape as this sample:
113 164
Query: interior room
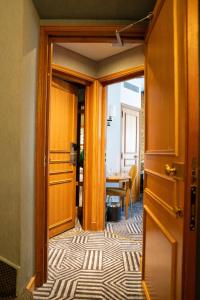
124 147
58 60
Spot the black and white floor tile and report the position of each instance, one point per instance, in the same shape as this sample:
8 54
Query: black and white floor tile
96 265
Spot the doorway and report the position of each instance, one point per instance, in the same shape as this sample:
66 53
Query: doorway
97 88
124 147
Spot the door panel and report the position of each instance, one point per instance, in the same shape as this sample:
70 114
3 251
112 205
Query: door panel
62 173
164 145
161 249
130 138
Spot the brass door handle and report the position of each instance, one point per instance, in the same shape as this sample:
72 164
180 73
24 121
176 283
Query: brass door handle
170 171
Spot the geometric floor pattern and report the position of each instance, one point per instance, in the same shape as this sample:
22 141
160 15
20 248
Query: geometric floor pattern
96 265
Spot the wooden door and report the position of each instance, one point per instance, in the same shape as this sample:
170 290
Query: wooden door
62 171
165 152
130 138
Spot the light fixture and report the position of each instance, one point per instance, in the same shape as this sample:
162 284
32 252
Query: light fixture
111 114
117 32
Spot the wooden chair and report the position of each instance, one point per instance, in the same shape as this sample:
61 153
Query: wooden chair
125 192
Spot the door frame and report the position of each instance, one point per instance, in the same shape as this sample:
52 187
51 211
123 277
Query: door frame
93 33
191 255
95 112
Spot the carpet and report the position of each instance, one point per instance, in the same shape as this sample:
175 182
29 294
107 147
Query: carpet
96 265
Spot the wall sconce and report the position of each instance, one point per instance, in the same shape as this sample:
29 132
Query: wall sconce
111 114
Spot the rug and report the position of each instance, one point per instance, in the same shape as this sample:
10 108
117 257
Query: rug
96 265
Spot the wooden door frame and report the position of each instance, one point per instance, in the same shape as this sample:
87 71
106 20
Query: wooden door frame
93 33
190 255
94 216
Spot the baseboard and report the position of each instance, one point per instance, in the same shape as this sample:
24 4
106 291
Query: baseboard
8 262
148 297
31 284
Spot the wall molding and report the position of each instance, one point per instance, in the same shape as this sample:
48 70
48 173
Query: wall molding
31 284
160 201
172 209
160 175
67 73
173 243
8 262
122 75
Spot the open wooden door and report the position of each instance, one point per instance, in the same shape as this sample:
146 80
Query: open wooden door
62 156
165 151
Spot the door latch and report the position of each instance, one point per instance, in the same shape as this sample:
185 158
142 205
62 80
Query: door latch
193 195
177 170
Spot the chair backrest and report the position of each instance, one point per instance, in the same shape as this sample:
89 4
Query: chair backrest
132 173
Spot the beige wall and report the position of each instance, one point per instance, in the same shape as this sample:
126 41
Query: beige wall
74 61
19 25
19 37
122 61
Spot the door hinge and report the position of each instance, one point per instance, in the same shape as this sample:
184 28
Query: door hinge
193 195
121 155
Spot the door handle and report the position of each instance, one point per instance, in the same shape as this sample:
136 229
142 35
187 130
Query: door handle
170 171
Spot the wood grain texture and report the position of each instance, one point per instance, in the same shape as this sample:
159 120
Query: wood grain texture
100 33
94 198
165 114
161 249
31 284
62 132
161 106
41 157
68 74
190 237
94 33
146 292
122 75
157 186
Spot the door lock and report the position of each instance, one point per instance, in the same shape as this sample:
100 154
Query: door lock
177 170
170 171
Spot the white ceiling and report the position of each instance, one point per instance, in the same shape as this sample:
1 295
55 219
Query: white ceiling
97 51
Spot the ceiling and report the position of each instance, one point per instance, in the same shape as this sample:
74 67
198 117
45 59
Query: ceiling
94 9
97 51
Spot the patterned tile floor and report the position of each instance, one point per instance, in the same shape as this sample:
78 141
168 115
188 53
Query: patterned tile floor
96 265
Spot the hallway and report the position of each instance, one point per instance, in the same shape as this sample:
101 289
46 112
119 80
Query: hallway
96 265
